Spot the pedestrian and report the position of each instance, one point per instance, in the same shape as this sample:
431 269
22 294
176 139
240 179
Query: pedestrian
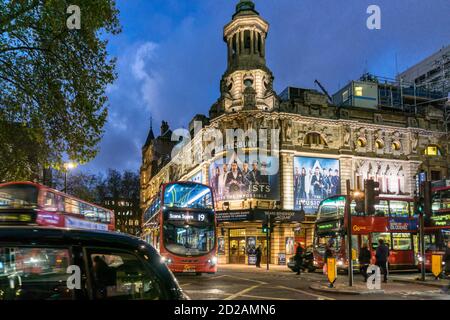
298 258
381 256
258 256
364 260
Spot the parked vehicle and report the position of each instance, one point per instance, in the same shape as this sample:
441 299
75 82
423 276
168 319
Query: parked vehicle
42 263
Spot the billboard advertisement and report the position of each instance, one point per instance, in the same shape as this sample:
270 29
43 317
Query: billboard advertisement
198 177
238 180
314 180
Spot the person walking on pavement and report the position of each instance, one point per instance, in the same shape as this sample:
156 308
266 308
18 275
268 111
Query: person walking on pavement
364 260
258 256
381 256
298 258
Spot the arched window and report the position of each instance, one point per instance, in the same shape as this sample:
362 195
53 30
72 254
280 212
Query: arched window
234 45
432 150
314 138
247 40
259 42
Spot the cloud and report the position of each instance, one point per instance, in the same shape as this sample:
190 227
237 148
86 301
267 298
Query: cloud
171 56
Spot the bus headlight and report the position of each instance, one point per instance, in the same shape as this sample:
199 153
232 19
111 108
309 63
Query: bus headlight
213 261
166 260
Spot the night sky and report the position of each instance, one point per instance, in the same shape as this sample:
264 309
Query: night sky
171 56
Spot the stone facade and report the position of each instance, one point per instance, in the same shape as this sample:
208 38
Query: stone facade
367 143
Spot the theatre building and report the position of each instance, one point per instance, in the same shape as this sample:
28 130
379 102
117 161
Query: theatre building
312 144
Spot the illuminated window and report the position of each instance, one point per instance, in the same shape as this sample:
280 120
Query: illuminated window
361 142
433 150
358 91
396 145
237 233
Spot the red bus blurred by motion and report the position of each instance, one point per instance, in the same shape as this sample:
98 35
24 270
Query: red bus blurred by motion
180 223
393 221
35 204
437 226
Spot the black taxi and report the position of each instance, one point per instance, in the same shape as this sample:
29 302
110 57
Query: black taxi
39 263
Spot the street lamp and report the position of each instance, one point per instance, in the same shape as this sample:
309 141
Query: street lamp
68 166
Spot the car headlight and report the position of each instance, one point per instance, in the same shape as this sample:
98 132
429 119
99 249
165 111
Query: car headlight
340 263
419 257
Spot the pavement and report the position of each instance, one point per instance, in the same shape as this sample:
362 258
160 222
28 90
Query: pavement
242 282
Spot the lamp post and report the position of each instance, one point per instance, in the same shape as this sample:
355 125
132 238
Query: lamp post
68 166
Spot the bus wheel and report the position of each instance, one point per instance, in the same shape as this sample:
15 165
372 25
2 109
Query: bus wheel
198 273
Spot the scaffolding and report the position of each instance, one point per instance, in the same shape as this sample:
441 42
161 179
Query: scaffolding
396 94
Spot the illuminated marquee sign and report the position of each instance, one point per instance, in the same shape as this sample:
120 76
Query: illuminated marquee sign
441 221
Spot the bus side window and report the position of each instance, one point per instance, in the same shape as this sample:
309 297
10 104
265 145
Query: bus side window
50 201
382 209
60 201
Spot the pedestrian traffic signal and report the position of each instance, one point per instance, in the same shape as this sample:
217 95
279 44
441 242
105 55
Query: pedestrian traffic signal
371 193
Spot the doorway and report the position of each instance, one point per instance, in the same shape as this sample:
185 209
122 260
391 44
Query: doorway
237 250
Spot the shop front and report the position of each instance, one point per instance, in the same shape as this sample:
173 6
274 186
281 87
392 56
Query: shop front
240 233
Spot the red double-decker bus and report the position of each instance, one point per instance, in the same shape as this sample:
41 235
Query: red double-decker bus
180 223
393 221
437 225
35 204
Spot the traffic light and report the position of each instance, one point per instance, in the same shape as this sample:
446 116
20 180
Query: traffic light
418 205
422 204
265 228
371 193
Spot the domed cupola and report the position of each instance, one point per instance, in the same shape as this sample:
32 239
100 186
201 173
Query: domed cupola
247 84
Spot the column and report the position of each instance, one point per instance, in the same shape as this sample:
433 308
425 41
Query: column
230 49
256 41
252 42
238 43
263 46
287 181
241 36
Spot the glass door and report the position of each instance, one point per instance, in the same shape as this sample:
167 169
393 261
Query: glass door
237 250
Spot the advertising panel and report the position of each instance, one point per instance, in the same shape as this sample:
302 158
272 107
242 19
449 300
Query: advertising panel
197 177
289 245
314 180
237 180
